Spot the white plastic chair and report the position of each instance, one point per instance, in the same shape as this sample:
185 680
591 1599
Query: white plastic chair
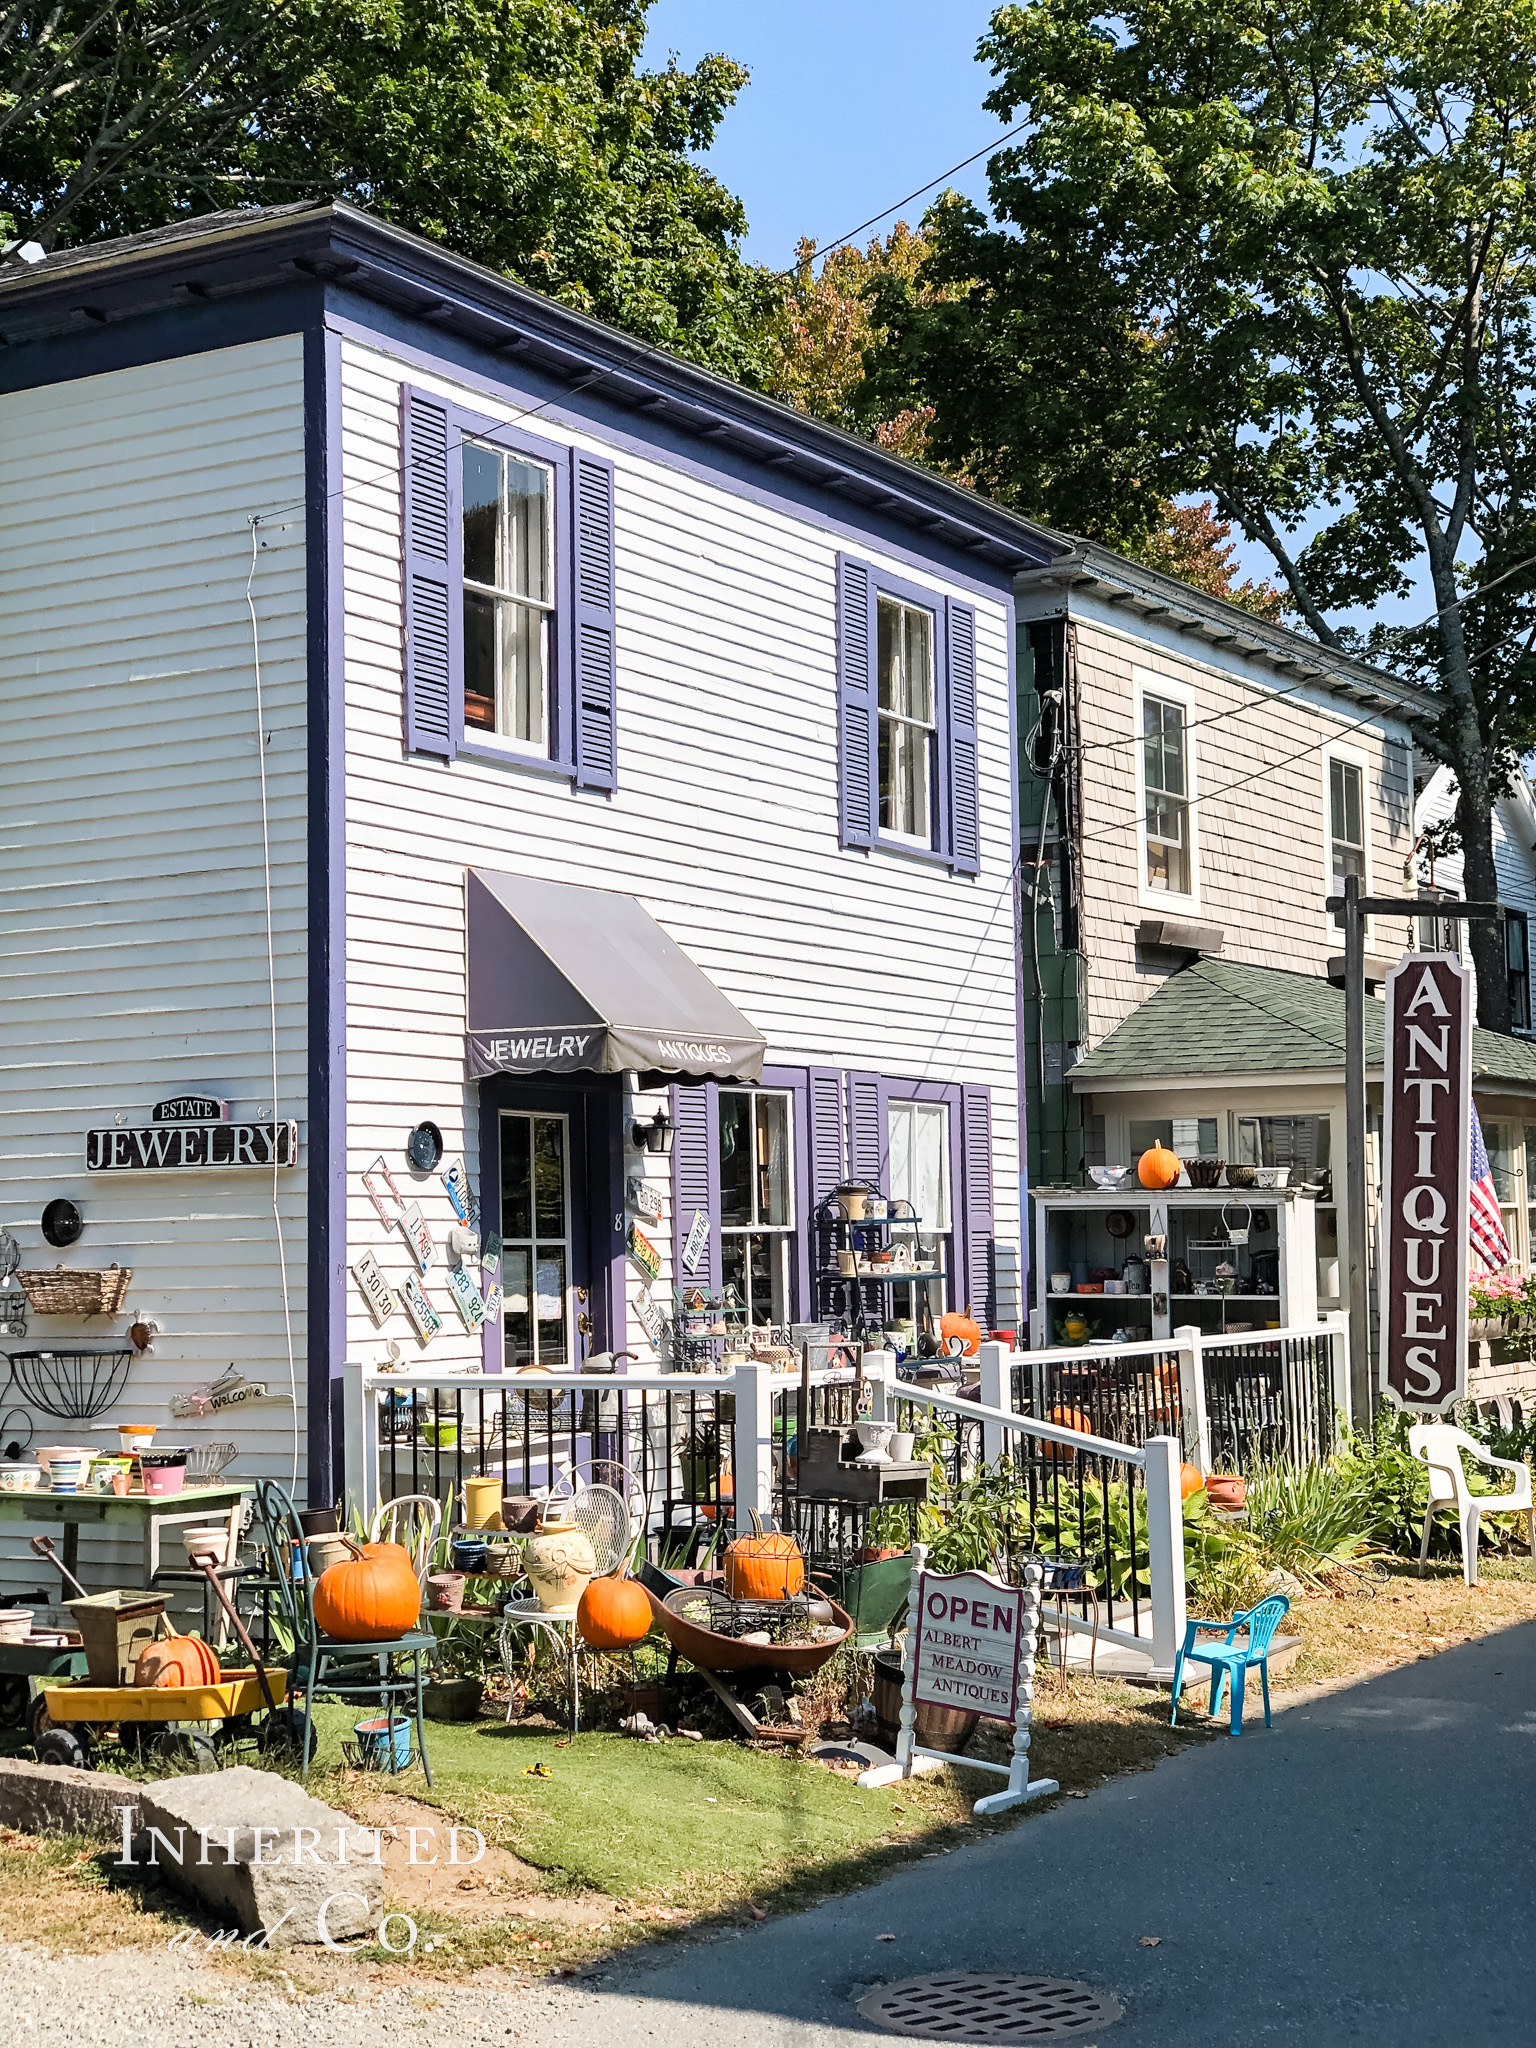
1440 1446
411 1521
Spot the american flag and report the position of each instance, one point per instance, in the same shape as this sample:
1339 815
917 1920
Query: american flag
1485 1226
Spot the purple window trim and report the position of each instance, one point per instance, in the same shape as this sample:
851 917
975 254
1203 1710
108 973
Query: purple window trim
460 422
430 581
858 700
593 659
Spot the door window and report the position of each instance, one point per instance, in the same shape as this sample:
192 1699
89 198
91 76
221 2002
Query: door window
536 1238
756 1206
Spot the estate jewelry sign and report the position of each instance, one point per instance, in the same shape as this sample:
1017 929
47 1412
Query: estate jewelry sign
1427 1124
180 1147
191 1109
965 1644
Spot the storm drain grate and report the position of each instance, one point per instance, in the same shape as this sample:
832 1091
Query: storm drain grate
968 2006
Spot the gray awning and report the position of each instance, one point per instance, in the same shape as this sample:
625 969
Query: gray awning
564 979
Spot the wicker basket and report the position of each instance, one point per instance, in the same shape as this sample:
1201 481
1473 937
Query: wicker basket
77 1290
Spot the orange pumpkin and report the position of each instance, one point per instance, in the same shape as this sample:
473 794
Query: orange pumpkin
177 1660
369 1597
1158 1168
763 1566
1191 1481
1067 1418
614 1613
964 1327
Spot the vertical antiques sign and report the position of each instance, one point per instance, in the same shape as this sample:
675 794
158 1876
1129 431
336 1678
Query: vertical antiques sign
1427 1125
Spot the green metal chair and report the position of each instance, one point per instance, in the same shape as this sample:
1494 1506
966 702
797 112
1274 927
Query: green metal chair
386 1674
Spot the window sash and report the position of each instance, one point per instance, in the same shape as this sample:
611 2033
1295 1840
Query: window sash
918 1137
508 601
759 1123
1165 792
1517 961
908 739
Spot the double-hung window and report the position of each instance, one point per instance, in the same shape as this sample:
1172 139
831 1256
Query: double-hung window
510 596
757 1217
1346 827
1517 960
908 742
509 593
908 724
1165 789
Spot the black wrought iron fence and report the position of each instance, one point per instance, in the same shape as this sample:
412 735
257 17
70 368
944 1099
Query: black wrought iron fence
1270 1401
1126 1396
1081 1511
675 1446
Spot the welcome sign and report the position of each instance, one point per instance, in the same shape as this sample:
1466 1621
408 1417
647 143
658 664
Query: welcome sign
965 1644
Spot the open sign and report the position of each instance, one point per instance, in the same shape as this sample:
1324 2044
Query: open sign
965 1644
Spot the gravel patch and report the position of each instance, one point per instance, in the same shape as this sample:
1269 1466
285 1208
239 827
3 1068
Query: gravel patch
129 1999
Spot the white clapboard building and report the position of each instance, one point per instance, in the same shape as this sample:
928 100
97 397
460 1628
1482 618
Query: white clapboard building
427 711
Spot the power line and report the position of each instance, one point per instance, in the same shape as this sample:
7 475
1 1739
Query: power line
875 218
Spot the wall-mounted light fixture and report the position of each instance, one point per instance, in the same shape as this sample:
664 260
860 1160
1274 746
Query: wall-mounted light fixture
656 1136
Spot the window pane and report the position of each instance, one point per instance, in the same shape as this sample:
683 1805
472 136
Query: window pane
919 1134
480 661
549 1175
904 779
1167 815
772 1159
735 1160
518 1321
904 661
918 664
1144 1135
1499 1138
482 512
516 1181
1345 802
549 1284
522 671
527 553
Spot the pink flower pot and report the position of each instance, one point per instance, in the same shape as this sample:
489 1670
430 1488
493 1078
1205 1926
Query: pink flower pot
445 1592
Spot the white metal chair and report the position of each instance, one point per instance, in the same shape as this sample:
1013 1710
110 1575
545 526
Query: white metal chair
1440 1446
412 1521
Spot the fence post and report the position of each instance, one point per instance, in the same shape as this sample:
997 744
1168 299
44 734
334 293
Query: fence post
1197 1427
996 1392
360 1440
754 1384
1337 1320
878 1368
1165 1551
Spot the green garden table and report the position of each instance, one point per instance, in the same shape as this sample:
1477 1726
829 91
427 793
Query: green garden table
148 1513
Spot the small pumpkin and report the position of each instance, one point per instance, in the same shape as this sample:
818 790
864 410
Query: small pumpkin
614 1613
177 1660
1191 1481
764 1566
964 1327
1067 1418
371 1596
1158 1168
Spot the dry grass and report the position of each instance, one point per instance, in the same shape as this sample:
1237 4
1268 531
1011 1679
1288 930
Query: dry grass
739 1863
1407 1619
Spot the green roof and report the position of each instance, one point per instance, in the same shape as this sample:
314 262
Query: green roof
1224 1017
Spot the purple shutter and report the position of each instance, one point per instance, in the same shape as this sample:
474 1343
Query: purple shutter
868 1147
595 758
858 718
825 1087
696 1180
976 1231
434 625
964 791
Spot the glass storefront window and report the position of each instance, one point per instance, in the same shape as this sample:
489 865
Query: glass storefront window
756 1205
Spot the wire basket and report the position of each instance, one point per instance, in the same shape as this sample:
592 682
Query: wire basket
77 1290
207 1463
76 1386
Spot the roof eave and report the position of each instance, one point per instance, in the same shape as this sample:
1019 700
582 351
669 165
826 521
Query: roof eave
1083 565
341 245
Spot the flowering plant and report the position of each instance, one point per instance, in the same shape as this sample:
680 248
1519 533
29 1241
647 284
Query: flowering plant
1501 1295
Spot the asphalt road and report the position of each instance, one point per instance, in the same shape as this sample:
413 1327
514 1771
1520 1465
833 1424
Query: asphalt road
1363 1872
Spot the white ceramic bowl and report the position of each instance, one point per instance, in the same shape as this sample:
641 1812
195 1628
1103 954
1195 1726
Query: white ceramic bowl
21 1478
15 1624
46 1453
1271 1176
200 1543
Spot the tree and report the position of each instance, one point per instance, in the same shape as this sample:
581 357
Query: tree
1294 254
1194 544
518 132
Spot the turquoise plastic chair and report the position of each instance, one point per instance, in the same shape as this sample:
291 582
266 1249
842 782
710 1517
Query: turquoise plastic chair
1231 1659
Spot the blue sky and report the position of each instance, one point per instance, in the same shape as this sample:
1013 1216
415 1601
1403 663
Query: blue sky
851 105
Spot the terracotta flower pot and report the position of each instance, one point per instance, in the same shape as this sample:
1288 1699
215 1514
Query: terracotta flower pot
1226 1490
445 1592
